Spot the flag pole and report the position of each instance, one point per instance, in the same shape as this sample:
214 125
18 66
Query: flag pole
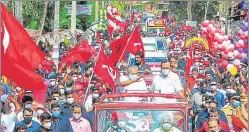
126 45
88 86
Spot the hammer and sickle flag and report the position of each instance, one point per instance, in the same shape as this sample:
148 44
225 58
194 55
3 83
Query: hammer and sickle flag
105 70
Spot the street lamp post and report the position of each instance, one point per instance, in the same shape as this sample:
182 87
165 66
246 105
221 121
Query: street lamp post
55 54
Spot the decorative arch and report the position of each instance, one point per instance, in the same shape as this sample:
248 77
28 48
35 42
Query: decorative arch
197 42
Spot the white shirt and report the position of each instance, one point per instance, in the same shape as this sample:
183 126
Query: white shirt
168 85
8 121
88 103
140 86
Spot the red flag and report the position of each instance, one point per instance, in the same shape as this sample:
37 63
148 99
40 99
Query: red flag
47 65
81 52
105 70
20 55
119 49
24 78
17 45
135 43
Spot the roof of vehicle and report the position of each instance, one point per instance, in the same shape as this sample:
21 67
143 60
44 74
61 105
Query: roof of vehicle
158 54
149 40
139 104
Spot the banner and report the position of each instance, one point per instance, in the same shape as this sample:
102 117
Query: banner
80 9
191 23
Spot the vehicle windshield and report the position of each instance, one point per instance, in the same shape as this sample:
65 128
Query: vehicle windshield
149 60
140 120
150 47
152 30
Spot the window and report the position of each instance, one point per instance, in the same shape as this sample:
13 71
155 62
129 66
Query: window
160 45
150 47
149 60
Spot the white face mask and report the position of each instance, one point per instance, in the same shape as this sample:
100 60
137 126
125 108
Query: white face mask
52 83
62 91
28 106
166 126
165 72
213 88
74 78
47 125
122 124
39 112
76 116
132 77
95 95
70 100
18 88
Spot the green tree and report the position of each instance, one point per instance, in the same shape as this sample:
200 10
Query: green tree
120 5
91 18
32 12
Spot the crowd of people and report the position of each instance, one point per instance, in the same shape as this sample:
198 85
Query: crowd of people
217 99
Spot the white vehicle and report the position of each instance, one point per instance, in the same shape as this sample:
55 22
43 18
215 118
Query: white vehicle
153 56
150 44
153 59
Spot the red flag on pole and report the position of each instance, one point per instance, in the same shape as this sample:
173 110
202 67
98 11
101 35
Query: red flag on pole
135 43
20 55
81 52
105 70
119 49
17 45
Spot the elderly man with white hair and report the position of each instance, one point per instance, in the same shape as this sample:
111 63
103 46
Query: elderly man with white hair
132 83
166 125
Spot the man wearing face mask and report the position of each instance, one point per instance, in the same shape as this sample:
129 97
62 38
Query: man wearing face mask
61 88
27 103
166 125
191 80
79 124
45 123
168 82
205 114
214 114
67 107
89 115
219 97
133 82
31 124
197 96
51 87
139 60
59 122
8 117
94 95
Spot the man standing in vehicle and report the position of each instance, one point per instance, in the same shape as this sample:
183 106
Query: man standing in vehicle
132 82
139 61
168 82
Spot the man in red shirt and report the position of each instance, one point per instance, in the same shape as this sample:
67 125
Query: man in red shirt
214 114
